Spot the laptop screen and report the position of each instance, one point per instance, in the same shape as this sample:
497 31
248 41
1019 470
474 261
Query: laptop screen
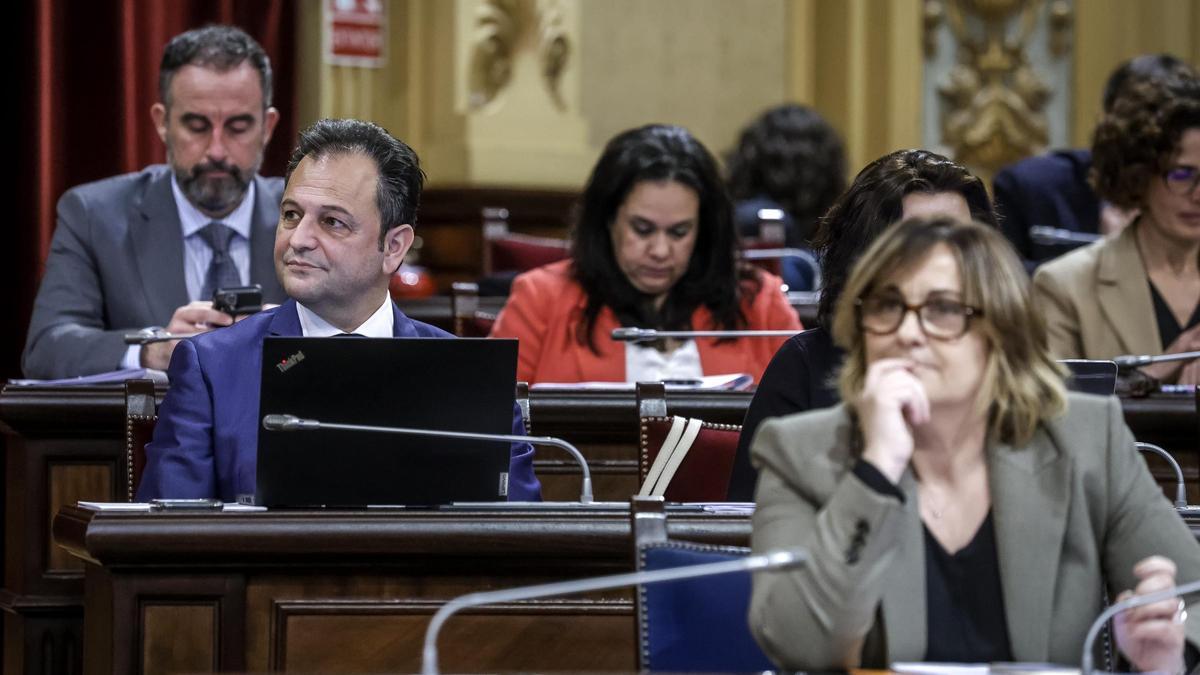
426 383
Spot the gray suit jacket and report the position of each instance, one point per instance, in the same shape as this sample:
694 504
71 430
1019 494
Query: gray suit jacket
1096 301
116 264
1074 509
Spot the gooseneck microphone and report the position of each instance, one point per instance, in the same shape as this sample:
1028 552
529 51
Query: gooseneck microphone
1180 486
293 423
1087 663
650 334
767 561
1129 362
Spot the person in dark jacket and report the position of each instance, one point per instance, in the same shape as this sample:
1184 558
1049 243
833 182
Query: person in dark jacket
901 185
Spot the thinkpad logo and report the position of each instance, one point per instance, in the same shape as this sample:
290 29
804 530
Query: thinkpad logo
290 361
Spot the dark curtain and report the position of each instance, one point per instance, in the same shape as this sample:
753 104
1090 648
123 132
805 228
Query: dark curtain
87 74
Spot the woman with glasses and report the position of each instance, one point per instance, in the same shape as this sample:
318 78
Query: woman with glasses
959 506
903 184
1139 291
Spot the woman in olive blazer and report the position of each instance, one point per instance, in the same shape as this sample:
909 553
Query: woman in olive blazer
959 491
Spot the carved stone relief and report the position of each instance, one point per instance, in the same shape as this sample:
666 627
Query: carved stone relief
501 29
993 101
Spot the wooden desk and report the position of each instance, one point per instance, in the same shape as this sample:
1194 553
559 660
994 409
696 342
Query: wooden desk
67 444
605 424
354 591
62 444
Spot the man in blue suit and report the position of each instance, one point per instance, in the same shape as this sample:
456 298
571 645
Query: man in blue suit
345 224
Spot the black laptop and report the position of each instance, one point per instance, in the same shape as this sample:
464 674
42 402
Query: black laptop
442 384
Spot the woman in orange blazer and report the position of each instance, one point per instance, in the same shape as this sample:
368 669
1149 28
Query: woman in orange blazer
653 246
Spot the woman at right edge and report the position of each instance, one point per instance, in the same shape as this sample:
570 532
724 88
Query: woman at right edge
959 506
1137 292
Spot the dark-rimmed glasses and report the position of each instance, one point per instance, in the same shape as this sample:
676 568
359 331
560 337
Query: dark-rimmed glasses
1182 180
940 318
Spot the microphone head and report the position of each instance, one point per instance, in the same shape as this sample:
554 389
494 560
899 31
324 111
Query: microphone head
280 422
628 334
1130 362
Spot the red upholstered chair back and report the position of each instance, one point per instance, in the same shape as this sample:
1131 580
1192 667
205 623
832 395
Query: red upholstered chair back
704 474
521 252
505 251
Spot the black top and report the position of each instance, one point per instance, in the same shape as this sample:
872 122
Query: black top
965 601
1168 326
964 598
799 378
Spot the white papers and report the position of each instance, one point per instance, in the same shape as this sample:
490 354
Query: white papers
728 508
728 382
115 506
111 377
145 507
917 668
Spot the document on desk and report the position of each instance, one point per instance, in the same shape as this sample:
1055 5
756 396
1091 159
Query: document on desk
111 377
728 508
729 382
145 507
918 668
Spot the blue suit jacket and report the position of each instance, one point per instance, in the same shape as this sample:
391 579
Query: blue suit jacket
206 440
1051 190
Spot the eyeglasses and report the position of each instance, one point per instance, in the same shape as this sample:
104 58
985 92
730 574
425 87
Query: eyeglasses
1182 180
940 318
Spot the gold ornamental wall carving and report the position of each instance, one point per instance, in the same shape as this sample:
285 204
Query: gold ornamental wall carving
994 100
500 28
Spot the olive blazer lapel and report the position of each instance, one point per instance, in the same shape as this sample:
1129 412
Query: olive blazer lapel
904 609
1031 494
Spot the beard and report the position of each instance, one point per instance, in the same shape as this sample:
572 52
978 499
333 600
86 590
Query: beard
214 195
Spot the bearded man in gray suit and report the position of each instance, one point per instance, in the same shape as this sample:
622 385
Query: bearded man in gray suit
147 249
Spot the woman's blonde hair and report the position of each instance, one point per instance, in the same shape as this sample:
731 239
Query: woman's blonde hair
1022 383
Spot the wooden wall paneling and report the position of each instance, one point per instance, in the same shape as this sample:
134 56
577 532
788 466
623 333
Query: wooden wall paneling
179 637
68 482
163 623
43 585
551 635
43 643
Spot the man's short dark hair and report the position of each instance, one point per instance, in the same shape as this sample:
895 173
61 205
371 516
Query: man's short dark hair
398 192
1139 69
221 48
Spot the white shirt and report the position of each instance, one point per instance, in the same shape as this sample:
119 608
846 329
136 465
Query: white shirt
379 324
196 252
647 364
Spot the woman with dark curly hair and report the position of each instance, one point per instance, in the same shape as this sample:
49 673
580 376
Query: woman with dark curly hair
1137 292
789 159
653 247
902 185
